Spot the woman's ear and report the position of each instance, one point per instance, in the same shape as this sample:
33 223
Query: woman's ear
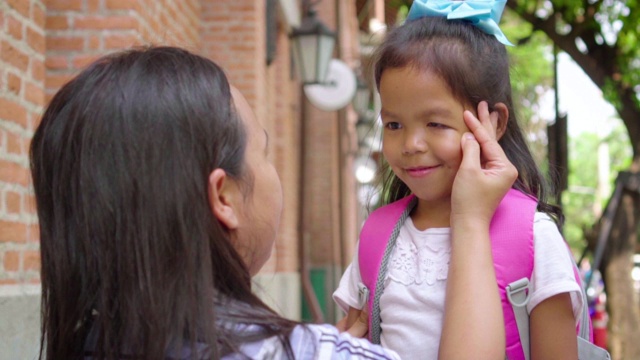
223 193
503 119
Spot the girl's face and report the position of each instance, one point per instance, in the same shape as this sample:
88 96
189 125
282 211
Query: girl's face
262 209
423 125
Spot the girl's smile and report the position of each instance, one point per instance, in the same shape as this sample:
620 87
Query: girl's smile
421 171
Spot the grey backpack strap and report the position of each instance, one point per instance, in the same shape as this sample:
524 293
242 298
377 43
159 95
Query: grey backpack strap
586 349
382 272
518 295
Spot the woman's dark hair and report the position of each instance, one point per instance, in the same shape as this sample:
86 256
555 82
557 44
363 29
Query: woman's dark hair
475 66
134 264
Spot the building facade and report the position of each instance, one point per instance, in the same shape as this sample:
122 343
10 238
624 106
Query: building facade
44 43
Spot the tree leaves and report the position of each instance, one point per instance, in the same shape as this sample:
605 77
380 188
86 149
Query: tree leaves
602 37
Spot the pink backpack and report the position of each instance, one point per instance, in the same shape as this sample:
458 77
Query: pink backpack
511 232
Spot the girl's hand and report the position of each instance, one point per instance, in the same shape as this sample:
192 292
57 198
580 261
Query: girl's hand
484 177
485 174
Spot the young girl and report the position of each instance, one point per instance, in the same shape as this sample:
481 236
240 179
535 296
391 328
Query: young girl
430 72
157 203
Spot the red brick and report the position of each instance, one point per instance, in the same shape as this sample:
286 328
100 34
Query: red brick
14 83
57 22
12 232
13 202
56 81
94 42
106 23
33 233
64 43
14 27
30 204
12 111
12 261
13 173
38 15
21 6
14 56
82 61
37 70
8 281
56 62
15 144
93 6
33 119
120 41
36 40
61 5
120 4
34 93
31 260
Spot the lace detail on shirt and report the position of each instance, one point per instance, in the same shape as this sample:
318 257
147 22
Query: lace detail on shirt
416 265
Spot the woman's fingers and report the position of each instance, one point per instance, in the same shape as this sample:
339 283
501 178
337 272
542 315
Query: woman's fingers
361 327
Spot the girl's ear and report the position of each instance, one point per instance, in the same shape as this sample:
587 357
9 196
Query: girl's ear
503 119
223 193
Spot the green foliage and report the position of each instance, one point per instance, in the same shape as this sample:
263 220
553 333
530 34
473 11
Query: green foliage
531 78
607 35
581 202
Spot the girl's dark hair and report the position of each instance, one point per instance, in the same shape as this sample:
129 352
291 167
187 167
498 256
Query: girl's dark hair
134 264
475 66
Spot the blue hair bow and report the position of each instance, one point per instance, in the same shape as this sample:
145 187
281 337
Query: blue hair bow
485 14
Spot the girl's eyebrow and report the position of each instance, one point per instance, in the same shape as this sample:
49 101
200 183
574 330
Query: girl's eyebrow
444 112
384 113
439 111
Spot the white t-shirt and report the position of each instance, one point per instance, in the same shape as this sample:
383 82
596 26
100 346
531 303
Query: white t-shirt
412 304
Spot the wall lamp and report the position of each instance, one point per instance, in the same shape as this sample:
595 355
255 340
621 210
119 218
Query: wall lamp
313 43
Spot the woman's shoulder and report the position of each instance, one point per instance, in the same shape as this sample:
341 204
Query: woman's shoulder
314 341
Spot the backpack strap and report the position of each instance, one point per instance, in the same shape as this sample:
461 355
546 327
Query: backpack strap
519 297
511 233
519 293
585 326
380 232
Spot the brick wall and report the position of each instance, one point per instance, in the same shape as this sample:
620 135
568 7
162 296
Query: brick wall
22 54
79 31
44 43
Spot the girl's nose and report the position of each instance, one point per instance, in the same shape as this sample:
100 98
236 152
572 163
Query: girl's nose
414 143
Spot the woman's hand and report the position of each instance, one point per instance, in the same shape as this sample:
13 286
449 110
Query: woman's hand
360 327
356 323
485 174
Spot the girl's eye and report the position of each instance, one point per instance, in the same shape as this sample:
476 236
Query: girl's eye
392 125
437 125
